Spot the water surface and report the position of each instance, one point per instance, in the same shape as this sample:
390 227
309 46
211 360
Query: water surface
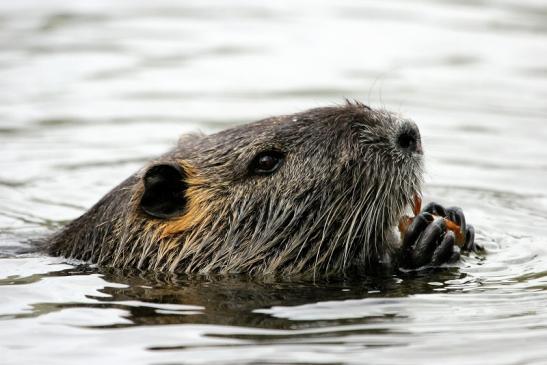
93 89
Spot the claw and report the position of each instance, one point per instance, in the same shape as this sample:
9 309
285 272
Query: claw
455 214
444 252
406 221
455 255
470 238
416 227
434 236
427 243
435 209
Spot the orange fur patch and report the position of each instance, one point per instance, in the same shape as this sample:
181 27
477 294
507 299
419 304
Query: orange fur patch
196 210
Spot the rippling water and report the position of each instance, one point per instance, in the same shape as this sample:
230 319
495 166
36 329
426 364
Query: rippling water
92 89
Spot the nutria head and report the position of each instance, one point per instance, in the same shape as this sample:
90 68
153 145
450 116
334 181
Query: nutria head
319 191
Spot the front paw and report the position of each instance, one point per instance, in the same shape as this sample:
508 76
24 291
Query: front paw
436 236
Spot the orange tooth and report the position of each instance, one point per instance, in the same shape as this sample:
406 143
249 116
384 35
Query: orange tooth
417 204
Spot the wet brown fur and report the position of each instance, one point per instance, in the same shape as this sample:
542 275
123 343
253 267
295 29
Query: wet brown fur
342 187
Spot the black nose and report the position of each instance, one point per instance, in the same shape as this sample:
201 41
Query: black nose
408 139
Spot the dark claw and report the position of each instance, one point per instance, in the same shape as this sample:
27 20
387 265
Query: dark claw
455 214
420 222
435 208
469 239
444 251
455 255
428 242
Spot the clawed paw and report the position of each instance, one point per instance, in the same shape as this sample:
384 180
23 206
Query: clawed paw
436 236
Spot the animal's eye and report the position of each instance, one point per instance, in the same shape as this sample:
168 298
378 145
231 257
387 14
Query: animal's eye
266 162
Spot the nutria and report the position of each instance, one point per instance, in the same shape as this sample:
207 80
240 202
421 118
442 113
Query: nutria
319 192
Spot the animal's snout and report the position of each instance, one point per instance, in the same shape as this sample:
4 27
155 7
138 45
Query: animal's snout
408 138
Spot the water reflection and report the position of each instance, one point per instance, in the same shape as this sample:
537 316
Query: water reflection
161 298
92 90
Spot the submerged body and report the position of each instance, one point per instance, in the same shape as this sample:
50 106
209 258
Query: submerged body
320 191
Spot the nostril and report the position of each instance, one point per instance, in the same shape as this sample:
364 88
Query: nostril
407 141
409 138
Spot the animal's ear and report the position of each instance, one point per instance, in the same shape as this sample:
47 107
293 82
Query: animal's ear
164 191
